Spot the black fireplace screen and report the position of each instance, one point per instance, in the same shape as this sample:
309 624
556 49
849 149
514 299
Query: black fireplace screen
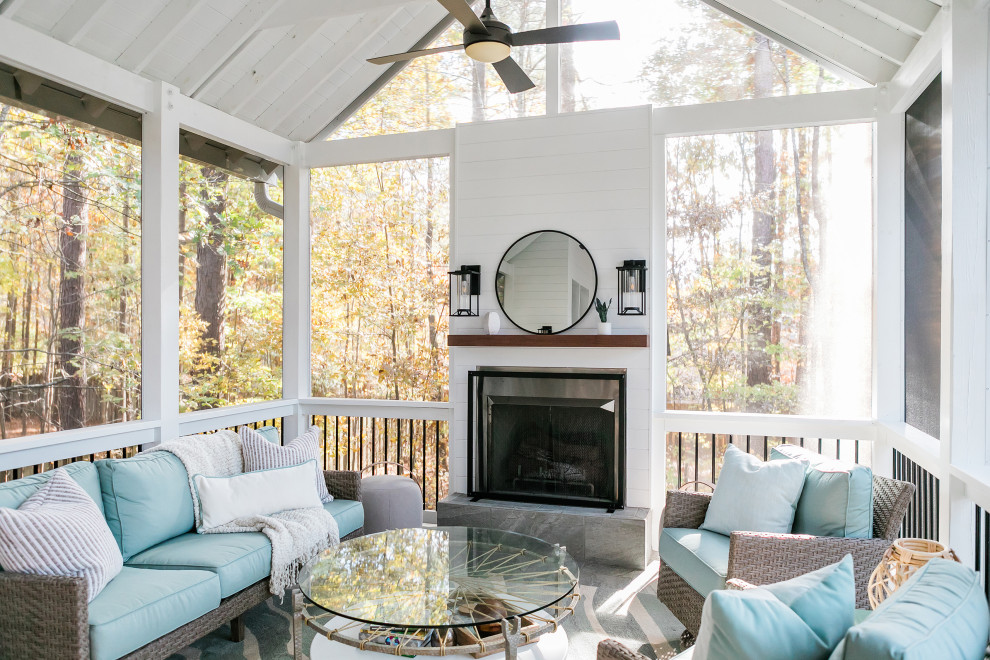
547 436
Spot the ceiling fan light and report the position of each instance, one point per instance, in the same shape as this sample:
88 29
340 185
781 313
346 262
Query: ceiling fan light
488 51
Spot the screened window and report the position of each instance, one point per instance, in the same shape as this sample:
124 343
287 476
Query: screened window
230 291
769 284
380 236
70 275
439 91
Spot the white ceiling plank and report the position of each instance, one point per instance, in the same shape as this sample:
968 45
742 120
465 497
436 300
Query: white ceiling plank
313 78
921 67
223 46
156 34
268 68
778 20
914 14
77 19
861 28
9 7
296 12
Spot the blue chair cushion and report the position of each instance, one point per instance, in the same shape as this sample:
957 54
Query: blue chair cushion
146 500
699 557
941 612
801 618
349 515
837 499
14 493
139 606
239 559
779 484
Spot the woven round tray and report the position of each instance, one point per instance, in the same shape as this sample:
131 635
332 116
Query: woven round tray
900 562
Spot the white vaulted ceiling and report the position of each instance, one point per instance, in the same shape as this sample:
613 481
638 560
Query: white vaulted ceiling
291 65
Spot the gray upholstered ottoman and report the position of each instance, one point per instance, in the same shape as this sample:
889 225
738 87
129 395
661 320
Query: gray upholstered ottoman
391 502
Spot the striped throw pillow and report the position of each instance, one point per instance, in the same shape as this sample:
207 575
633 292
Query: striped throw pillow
260 454
60 531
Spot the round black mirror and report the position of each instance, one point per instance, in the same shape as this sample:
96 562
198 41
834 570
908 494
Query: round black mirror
546 282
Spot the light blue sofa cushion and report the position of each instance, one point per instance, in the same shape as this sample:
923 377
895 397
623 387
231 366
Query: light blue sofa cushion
801 618
139 606
837 499
146 500
941 612
699 557
14 493
349 515
778 483
239 559
270 433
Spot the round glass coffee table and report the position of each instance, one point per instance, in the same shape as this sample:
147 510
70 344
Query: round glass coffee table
438 591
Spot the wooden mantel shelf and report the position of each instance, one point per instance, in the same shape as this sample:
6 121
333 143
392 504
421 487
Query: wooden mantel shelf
552 341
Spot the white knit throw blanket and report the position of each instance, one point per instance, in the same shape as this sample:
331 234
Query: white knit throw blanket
297 535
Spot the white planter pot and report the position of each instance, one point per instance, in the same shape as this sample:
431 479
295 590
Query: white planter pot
604 328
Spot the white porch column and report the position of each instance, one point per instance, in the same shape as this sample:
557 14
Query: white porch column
160 263
296 305
964 263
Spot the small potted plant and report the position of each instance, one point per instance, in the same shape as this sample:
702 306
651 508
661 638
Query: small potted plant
604 327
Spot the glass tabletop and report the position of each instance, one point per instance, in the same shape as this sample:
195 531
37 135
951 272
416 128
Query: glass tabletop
439 577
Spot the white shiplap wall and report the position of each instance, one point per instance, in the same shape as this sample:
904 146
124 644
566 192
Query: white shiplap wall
589 175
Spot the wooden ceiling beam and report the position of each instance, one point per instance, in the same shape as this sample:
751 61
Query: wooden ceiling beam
861 28
214 57
156 34
77 19
915 15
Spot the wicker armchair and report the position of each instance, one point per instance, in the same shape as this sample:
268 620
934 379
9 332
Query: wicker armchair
760 558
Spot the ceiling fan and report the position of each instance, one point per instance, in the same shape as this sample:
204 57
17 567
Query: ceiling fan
490 41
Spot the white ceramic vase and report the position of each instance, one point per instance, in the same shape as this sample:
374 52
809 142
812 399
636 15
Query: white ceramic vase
492 323
604 328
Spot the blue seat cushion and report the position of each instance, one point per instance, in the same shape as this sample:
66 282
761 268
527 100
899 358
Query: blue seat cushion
941 612
700 557
146 500
239 559
837 499
139 606
349 515
14 493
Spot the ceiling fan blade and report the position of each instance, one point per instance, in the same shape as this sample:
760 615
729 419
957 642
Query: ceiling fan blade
462 11
565 34
402 57
513 76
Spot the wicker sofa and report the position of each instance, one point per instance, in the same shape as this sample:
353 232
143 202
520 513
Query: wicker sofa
760 558
176 585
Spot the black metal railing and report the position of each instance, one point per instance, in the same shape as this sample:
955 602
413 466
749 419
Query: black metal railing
921 520
693 457
352 443
981 549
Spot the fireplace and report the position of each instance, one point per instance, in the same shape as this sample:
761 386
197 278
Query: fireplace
547 435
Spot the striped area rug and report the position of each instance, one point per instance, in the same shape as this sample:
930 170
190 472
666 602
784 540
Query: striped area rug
615 603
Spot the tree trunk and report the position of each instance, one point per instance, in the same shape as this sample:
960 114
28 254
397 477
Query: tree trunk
211 269
760 317
71 296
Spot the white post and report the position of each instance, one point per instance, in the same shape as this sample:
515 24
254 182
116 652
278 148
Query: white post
964 262
296 304
160 263
888 268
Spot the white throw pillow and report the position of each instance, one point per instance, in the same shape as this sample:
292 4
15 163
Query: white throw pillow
261 454
60 531
753 496
261 493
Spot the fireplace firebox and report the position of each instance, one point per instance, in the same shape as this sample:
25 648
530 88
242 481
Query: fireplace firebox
547 435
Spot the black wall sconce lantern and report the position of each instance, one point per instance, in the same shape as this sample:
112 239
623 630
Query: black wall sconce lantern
632 287
465 290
